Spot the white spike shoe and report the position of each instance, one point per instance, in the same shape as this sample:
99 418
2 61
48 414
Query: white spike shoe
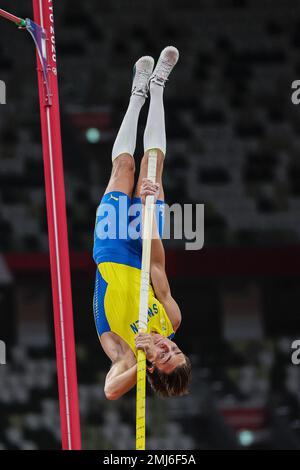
142 71
165 64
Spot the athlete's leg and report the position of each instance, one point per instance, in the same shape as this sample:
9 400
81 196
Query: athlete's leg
155 132
122 177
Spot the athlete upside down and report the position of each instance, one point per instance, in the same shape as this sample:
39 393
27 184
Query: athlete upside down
118 259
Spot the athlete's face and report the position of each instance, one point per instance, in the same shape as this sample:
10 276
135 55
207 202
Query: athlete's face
168 354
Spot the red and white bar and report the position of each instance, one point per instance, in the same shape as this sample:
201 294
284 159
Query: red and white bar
10 17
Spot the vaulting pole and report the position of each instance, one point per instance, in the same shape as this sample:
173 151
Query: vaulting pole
143 311
58 236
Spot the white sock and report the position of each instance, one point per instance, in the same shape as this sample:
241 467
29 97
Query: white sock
126 139
155 132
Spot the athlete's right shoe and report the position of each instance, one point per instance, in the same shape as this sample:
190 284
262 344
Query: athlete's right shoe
165 64
142 71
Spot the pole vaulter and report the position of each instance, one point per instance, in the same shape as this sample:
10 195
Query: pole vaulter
136 316
43 34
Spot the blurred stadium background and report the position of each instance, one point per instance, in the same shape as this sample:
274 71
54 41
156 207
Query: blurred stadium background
233 144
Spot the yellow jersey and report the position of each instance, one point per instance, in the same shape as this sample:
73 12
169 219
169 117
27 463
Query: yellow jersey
116 304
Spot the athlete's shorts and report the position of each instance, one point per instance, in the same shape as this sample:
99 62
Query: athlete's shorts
117 239
117 234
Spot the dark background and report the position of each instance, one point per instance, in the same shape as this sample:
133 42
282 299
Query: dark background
233 145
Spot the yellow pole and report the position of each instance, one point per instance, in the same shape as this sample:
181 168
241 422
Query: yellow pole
143 311
141 402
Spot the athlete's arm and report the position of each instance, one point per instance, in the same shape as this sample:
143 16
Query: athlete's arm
122 374
158 275
119 380
161 285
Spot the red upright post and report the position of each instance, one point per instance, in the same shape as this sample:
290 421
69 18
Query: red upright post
58 236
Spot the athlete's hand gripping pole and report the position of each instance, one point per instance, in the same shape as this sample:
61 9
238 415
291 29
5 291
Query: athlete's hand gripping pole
143 310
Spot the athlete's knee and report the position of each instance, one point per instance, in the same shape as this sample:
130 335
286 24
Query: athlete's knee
124 164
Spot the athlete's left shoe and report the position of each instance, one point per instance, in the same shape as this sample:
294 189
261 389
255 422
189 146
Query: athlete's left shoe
167 60
142 71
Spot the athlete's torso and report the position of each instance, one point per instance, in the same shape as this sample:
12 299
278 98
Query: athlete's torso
120 285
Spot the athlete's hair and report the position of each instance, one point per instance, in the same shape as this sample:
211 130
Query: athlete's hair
174 384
